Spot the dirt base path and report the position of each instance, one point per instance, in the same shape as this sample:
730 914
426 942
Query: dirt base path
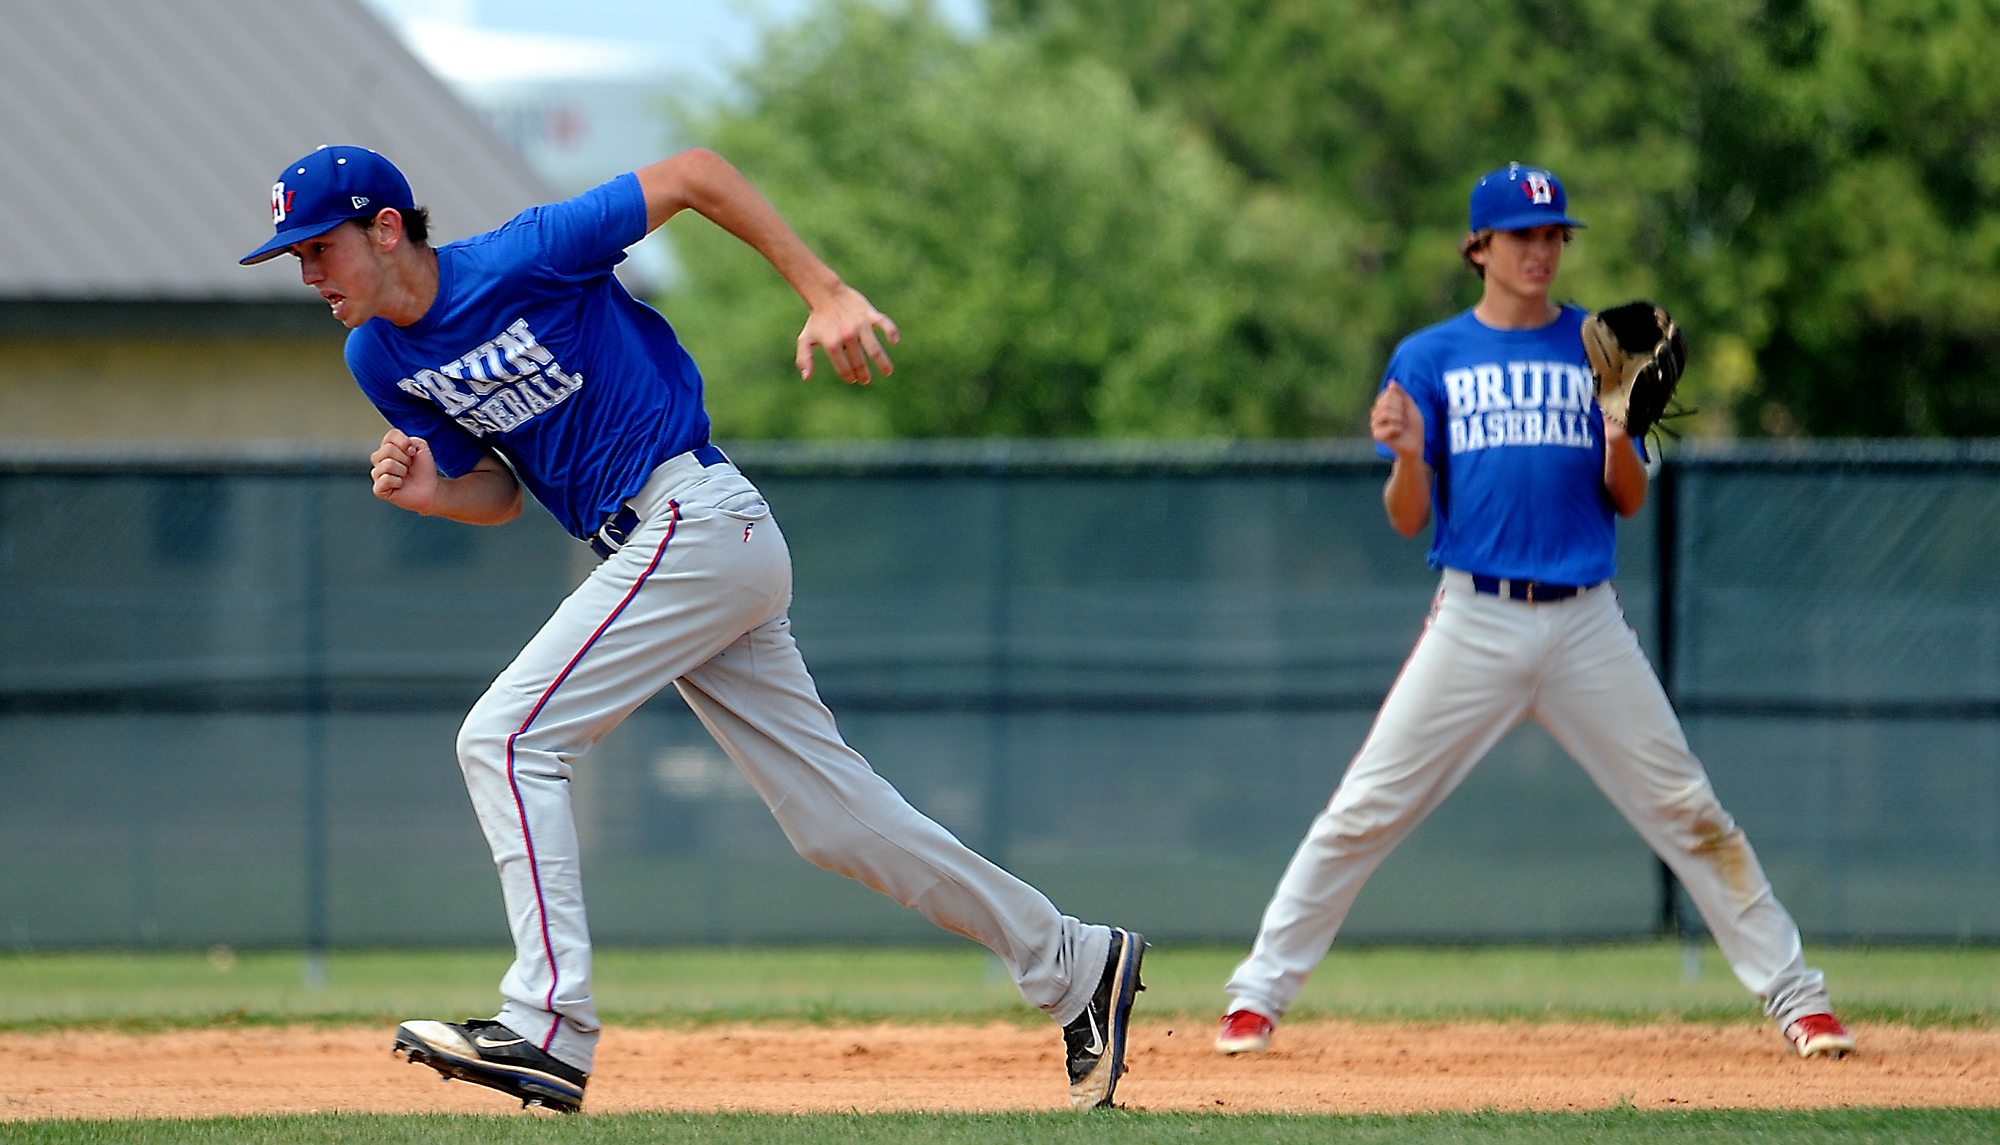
1321 1067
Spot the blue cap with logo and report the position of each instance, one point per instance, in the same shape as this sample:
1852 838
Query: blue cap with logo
327 188
1515 198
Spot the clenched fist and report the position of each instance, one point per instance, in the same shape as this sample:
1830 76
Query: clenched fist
404 472
1397 422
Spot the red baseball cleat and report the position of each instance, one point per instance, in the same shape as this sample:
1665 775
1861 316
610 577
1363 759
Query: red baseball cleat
1244 1032
1817 1035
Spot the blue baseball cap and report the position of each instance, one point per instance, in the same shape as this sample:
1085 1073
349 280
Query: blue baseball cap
327 188
1515 198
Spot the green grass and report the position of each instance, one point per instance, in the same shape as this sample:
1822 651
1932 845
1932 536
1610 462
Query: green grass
1637 982
1625 1126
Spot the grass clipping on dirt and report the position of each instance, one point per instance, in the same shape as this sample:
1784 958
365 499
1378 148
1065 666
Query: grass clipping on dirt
1638 982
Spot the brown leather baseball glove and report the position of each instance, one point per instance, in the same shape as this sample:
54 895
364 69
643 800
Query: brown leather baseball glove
1637 353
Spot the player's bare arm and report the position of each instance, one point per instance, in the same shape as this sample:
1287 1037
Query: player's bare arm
406 475
1397 423
840 320
1624 474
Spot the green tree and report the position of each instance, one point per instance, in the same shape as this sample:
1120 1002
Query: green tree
1061 261
1886 316
1812 185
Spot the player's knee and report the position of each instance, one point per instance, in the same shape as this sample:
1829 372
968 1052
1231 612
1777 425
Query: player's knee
829 845
829 850
1346 827
825 857
1694 804
1696 817
482 742
498 715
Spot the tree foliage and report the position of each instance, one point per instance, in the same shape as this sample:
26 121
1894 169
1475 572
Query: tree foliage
1181 217
1813 184
1061 261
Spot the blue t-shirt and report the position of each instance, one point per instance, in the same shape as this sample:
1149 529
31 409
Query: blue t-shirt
532 350
1516 441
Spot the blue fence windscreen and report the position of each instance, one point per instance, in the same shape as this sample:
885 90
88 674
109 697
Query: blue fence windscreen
229 689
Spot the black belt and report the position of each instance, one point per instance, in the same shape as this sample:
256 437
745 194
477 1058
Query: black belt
1532 591
610 536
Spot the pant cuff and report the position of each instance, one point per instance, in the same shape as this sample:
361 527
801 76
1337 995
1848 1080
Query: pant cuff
1254 1006
570 1046
1093 949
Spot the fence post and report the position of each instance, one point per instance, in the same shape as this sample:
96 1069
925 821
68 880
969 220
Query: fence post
999 623
1666 508
145 925
313 641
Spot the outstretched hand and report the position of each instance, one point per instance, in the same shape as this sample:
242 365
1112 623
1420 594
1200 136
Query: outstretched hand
1397 422
844 326
842 322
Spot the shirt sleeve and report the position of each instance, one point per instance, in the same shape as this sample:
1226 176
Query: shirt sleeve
1413 372
452 445
586 236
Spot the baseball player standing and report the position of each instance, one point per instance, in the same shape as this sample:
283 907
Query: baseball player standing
1494 431
515 358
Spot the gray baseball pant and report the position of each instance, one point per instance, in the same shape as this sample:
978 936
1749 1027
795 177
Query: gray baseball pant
697 598
1484 664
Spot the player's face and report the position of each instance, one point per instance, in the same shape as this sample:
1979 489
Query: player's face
1525 262
346 266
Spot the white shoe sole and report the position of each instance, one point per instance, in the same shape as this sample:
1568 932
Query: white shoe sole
440 1047
1233 1046
1825 1046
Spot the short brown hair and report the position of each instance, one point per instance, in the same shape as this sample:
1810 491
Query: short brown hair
1478 239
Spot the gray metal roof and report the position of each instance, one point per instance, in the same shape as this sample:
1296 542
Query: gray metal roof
139 140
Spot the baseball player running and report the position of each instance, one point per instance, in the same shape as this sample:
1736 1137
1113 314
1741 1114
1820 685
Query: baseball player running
1491 421
515 358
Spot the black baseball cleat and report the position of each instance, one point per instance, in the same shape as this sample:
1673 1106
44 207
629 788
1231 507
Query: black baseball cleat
489 1054
1096 1040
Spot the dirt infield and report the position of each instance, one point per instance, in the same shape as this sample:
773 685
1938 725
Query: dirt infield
1324 1067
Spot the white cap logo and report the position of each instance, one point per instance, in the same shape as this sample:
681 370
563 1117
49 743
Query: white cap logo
1539 191
279 201
361 201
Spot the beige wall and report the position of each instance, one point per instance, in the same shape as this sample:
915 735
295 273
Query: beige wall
181 390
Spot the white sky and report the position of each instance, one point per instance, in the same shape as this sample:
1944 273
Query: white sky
577 86
685 40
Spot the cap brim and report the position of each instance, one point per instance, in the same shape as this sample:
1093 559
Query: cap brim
1526 221
285 238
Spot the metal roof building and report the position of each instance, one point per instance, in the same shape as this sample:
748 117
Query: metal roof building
138 143
139 140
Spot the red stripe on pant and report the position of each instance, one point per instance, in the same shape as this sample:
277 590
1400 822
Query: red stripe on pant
534 869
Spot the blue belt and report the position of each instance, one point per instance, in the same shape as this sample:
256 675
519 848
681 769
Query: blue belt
610 536
1532 591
